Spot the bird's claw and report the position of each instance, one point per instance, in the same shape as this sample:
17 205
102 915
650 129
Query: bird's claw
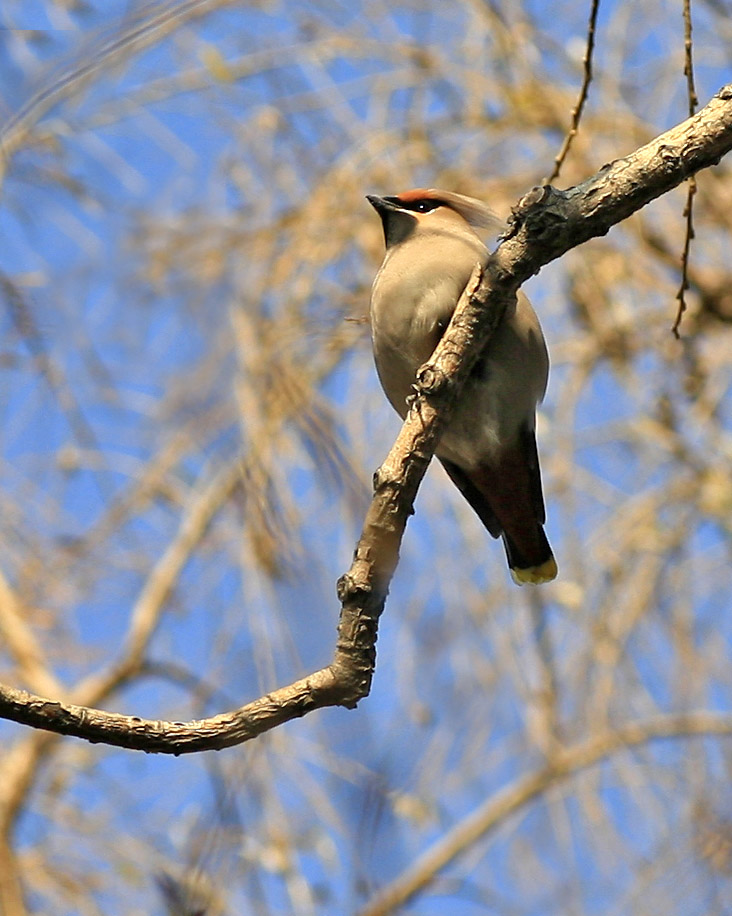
412 398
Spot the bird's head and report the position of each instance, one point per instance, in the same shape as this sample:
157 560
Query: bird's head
424 209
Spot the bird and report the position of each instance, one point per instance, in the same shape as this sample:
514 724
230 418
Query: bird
488 448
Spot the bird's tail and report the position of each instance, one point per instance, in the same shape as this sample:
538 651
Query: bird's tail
506 494
540 566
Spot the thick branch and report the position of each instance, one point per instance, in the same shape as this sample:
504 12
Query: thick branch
155 736
544 225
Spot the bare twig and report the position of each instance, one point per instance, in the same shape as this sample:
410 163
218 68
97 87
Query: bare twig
691 189
163 18
582 97
545 224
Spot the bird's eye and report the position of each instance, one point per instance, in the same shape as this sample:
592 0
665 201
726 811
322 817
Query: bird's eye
424 206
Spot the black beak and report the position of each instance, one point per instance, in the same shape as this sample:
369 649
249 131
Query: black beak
398 222
384 205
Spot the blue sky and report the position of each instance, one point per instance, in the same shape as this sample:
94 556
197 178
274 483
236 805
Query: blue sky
154 230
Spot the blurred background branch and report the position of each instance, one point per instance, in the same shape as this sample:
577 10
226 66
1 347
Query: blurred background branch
182 222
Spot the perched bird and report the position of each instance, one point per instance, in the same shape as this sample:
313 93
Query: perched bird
489 446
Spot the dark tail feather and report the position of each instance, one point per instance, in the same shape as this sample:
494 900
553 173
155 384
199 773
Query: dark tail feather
542 567
507 498
473 495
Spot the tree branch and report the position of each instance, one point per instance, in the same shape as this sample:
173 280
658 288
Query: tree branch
545 224
528 787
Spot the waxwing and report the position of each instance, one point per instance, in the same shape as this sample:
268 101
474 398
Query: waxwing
489 447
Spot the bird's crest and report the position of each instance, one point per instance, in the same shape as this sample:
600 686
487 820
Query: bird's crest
472 211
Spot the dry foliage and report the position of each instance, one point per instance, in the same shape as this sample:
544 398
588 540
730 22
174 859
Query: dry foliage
191 421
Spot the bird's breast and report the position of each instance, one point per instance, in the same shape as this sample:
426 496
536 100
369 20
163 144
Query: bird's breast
408 316
413 300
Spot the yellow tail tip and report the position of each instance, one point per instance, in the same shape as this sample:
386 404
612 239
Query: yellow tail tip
535 575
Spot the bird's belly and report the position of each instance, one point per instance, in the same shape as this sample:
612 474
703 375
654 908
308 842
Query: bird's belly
495 403
479 426
481 422
500 396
